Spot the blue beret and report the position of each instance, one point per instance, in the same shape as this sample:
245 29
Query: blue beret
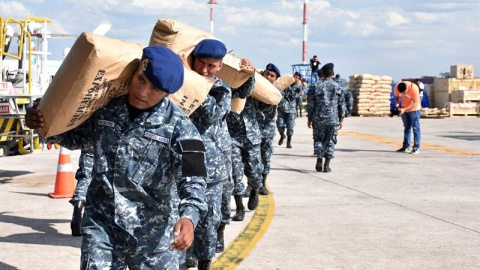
272 67
327 67
210 48
163 68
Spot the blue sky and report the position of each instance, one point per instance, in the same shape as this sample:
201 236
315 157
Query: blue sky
402 39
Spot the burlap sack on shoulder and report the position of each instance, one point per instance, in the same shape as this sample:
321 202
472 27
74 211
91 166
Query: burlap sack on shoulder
181 37
232 72
193 92
96 70
238 104
265 91
284 81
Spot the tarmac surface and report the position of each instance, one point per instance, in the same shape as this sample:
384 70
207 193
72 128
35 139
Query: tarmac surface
377 209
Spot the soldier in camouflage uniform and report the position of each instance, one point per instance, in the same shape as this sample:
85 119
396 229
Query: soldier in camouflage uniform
325 112
210 120
84 177
287 111
266 121
246 158
148 188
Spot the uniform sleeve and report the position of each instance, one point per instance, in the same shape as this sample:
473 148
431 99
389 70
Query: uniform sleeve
245 90
216 105
310 102
191 172
85 165
341 104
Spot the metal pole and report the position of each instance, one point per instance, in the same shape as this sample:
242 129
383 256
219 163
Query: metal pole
304 55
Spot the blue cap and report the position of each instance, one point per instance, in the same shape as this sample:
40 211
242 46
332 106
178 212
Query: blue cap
298 74
328 67
163 68
210 48
272 67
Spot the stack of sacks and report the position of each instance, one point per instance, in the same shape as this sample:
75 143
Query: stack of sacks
371 94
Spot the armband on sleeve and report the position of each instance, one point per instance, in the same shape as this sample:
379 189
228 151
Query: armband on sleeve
193 158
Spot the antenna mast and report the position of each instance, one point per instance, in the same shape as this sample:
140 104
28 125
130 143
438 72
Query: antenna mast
304 55
211 2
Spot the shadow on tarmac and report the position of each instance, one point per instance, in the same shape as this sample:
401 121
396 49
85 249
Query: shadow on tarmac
7 176
33 194
46 233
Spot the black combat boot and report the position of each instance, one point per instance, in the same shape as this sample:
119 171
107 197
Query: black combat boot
263 190
282 137
204 265
253 199
326 167
289 142
318 166
76 224
240 212
246 194
190 263
220 247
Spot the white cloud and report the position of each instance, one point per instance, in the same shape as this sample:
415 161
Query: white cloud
15 10
429 18
395 19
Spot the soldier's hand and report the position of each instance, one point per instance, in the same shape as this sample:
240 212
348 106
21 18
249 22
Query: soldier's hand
340 125
183 232
246 64
309 124
33 117
183 57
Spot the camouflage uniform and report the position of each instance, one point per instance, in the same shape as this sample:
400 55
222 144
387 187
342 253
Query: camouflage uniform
325 111
266 122
148 173
83 175
245 134
299 98
210 120
287 111
348 100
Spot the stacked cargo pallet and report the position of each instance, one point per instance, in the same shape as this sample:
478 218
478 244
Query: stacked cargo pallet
460 94
371 94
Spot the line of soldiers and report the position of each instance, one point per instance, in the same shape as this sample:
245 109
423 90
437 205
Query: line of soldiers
150 178
161 182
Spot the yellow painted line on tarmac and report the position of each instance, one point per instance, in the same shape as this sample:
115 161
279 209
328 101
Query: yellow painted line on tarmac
393 142
239 249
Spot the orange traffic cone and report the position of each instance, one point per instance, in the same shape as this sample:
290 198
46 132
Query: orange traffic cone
65 182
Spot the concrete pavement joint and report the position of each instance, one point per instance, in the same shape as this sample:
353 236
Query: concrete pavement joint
239 248
315 174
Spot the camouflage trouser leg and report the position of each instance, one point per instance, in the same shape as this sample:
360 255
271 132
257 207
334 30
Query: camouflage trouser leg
237 170
226 198
252 160
227 190
267 150
325 138
83 175
290 122
281 122
98 253
205 241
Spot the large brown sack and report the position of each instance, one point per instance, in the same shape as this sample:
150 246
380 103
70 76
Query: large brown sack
238 104
265 91
284 81
193 92
232 72
96 69
180 37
